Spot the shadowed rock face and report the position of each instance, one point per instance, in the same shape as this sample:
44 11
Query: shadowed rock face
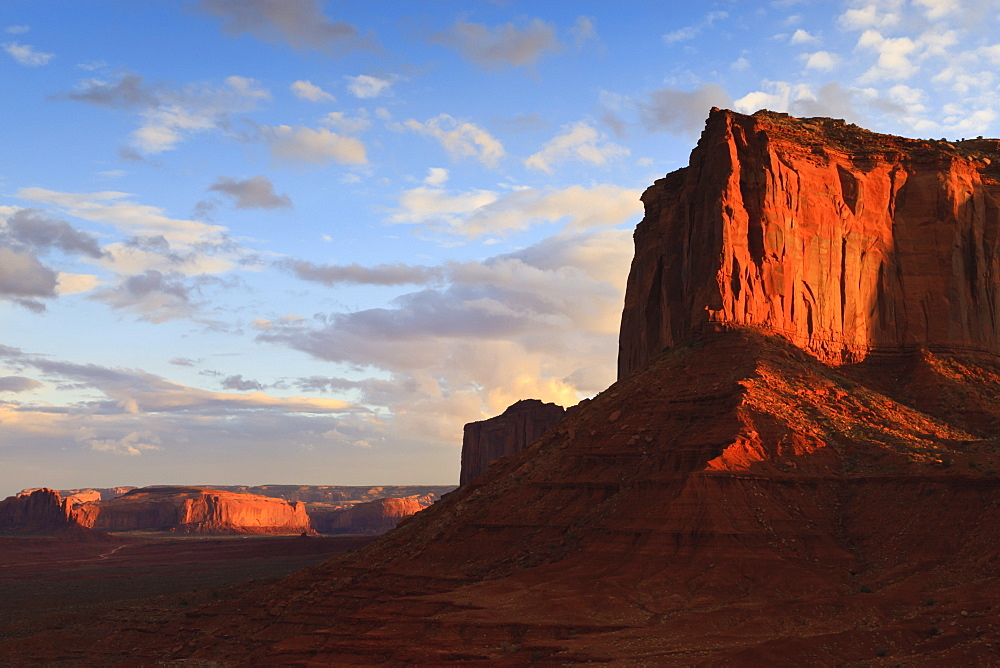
369 517
37 511
194 510
843 241
512 431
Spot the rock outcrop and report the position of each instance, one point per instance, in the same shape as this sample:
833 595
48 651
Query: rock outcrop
195 510
370 517
841 240
512 431
40 510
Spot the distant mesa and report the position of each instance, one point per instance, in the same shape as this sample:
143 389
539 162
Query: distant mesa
506 434
241 509
368 517
194 510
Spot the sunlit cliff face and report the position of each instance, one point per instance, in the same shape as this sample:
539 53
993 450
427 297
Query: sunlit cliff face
839 239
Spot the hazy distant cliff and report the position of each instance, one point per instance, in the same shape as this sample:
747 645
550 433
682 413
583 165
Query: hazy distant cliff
512 431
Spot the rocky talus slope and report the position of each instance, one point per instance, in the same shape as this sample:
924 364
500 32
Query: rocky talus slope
735 501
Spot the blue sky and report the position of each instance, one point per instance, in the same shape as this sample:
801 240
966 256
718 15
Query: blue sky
294 241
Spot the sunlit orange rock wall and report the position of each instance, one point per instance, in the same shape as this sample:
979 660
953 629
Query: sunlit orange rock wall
842 240
194 510
512 431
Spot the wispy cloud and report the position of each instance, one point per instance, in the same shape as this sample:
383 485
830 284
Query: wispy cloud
298 23
307 90
317 146
365 86
477 213
168 116
256 192
501 46
578 141
461 139
26 55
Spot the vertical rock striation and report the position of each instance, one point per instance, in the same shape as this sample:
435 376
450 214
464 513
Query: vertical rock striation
512 431
39 510
841 240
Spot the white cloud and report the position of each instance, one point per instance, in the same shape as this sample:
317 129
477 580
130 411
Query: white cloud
72 284
339 121
894 56
422 205
821 60
306 90
365 86
436 176
316 146
871 14
460 139
16 30
938 9
578 141
478 213
164 127
133 443
800 36
25 54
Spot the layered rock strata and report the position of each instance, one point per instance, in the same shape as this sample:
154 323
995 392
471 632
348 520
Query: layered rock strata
735 503
510 432
843 241
194 510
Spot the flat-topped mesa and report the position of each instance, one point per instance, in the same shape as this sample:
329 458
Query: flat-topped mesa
195 510
842 240
510 432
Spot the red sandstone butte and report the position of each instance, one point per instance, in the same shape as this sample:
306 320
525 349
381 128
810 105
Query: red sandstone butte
39 510
843 241
512 431
195 510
